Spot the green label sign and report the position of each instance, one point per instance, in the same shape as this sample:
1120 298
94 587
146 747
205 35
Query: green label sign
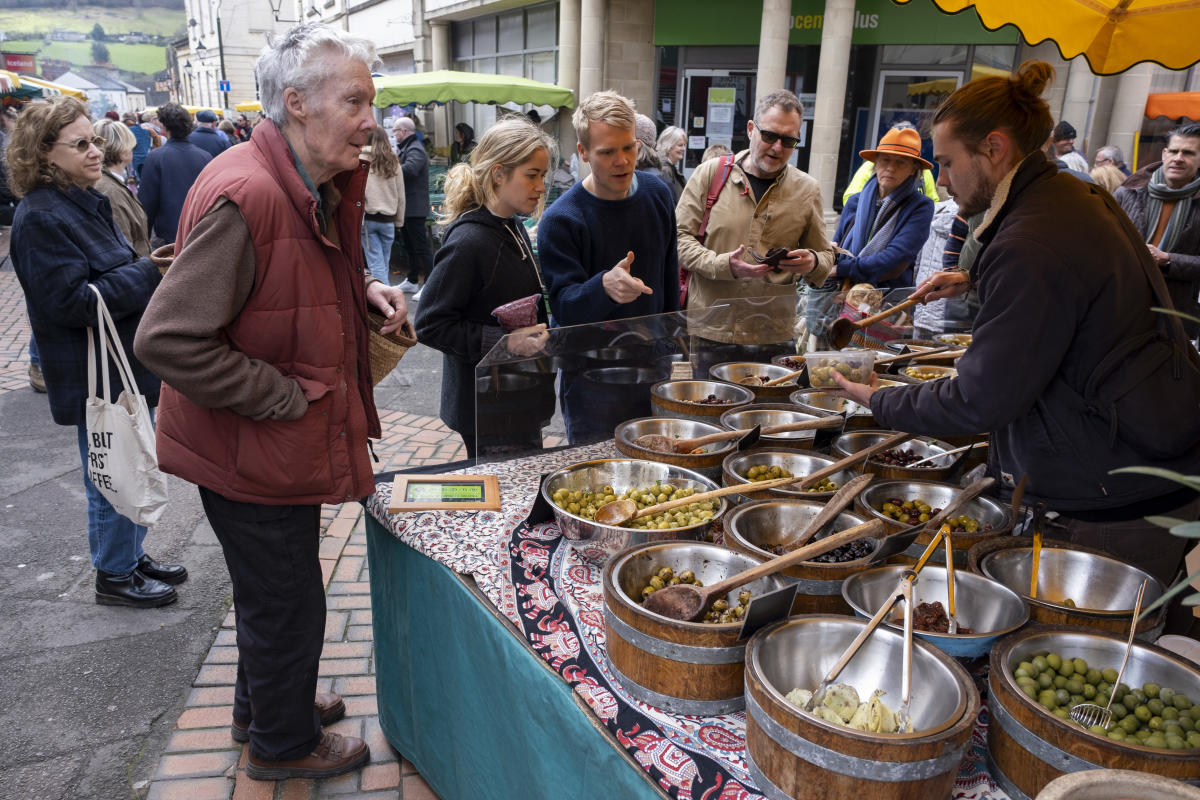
715 22
443 492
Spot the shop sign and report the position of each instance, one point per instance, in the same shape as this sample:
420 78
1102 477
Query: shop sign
19 62
709 22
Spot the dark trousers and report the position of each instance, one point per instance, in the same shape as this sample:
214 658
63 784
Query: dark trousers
279 602
416 244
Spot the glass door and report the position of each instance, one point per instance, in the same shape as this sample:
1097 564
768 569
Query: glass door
717 105
906 96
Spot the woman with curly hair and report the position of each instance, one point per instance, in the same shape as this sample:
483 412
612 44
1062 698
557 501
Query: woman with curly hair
64 242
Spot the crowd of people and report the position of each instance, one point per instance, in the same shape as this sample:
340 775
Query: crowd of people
248 333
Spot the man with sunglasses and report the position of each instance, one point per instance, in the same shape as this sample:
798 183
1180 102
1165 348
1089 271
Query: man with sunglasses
765 204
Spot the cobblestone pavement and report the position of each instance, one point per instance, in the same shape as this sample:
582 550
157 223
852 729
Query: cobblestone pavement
200 761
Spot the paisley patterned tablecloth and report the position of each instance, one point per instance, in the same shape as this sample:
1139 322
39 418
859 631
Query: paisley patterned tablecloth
551 592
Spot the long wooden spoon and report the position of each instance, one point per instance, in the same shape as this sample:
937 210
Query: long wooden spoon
915 356
786 378
686 602
665 444
622 512
844 497
843 329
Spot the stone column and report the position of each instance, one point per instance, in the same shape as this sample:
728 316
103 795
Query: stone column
440 47
1080 88
568 71
1128 110
592 26
772 47
832 72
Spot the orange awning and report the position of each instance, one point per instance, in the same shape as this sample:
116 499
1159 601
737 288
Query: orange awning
1174 105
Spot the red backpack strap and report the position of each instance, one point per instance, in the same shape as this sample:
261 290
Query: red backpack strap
714 191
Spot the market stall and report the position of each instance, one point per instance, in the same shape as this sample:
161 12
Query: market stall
513 658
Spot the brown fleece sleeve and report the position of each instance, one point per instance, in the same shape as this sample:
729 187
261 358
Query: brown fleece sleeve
180 339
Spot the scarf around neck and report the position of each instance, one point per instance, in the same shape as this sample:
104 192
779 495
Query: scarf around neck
874 229
1160 192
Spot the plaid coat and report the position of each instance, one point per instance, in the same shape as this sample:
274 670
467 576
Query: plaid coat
61 243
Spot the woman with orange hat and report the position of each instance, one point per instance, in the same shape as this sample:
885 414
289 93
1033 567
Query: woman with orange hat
883 227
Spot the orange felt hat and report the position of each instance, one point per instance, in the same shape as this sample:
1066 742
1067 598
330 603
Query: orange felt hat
900 142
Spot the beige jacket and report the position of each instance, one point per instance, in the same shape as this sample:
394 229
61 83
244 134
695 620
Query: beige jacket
126 210
787 215
386 196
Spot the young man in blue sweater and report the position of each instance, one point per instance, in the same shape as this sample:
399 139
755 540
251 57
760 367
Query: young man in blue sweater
607 246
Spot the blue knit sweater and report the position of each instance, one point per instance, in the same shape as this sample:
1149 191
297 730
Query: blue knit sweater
580 237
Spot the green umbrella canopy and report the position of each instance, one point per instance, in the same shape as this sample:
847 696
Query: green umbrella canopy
443 86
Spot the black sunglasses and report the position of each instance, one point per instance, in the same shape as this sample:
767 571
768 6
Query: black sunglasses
771 137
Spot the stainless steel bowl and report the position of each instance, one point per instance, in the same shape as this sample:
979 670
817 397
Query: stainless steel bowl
983 509
616 356
504 382
823 404
799 463
707 462
766 524
789 361
1097 584
768 414
681 399
942 372
797 653
1100 650
852 442
711 563
737 372
915 345
600 542
986 606
954 339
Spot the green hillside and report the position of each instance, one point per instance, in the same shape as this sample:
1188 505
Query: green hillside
115 21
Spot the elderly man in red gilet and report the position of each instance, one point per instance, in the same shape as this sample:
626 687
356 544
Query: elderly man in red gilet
259 334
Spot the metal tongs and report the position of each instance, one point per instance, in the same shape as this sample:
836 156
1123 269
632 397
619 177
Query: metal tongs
903 591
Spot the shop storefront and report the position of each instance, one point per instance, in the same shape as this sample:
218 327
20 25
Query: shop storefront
903 61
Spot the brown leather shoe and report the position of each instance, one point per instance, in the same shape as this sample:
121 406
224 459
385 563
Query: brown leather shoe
330 708
335 754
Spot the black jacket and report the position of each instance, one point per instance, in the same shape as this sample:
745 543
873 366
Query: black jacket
414 163
1059 286
478 267
1183 274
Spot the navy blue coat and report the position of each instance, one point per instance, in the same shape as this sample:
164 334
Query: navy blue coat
414 163
167 176
208 140
61 243
915 216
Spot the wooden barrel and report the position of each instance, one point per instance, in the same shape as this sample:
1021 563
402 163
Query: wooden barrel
793 755
1043 613
755 527
1028 746
684 667
984 509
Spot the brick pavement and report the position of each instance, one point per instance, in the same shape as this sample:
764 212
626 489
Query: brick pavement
201 761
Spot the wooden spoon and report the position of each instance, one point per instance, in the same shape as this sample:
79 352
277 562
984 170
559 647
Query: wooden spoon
786 378
916 356
686 602
844 497
622 512
843 329
665 444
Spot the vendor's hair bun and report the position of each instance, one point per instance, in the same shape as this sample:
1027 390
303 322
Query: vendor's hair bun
1033 77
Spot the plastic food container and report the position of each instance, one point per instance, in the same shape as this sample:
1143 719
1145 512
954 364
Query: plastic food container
855 365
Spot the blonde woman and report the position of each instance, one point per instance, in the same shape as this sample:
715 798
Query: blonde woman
127 212
484 262
384 205
1108 176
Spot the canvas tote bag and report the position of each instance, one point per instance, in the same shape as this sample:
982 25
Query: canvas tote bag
122 462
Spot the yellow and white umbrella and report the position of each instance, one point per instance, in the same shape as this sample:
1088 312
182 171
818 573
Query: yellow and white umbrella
252 105
49 88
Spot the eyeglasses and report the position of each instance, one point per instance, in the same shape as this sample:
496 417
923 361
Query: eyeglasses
771 137
82 145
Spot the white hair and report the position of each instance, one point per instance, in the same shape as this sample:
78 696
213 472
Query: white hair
404 122
666 140
295 60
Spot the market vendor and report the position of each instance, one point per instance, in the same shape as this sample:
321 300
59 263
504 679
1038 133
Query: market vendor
1056 302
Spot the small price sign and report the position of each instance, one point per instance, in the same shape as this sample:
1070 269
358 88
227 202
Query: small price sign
445 492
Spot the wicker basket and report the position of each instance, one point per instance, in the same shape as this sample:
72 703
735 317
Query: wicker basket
385 351
162 257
